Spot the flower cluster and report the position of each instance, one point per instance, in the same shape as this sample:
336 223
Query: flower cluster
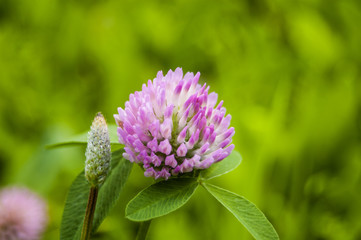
22 214
174 126
98 152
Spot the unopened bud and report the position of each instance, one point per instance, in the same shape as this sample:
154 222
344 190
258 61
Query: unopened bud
98 152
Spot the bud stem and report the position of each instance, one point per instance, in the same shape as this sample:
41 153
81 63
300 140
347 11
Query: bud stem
143 230
89 213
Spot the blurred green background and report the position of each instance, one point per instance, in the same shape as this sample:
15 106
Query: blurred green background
288 71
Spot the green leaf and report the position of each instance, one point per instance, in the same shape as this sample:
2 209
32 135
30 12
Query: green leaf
82 139
161 198
74 210
77 198
226 165
245 211
109 193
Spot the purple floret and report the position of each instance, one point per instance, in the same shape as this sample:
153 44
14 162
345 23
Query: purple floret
174 126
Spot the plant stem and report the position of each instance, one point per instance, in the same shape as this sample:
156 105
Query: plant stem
89 213
143 230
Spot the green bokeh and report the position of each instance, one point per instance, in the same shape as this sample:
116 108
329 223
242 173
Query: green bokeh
288 72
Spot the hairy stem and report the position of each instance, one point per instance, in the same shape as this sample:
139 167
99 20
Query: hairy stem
143 230
89 213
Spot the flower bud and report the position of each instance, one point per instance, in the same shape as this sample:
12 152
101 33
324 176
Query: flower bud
98 152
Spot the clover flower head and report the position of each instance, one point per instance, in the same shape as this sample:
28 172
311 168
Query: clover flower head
98 152
174 126
22 214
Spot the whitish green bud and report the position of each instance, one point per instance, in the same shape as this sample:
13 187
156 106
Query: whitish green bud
98 152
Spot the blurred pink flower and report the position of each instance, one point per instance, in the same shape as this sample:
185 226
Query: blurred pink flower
22 214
